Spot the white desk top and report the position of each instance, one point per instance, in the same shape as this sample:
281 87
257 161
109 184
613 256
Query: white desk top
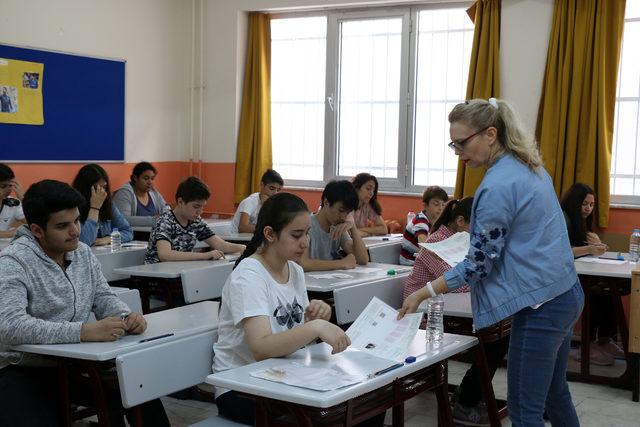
378 241
329 284
592 266
455 304
217 225
181 322
172 269
239 379
236 237
127 248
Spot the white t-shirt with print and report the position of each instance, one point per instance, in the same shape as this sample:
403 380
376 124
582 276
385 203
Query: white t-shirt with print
251 206
10 213
251 291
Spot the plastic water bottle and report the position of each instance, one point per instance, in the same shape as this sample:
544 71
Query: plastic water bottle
410 216
116 240
634 245
435 311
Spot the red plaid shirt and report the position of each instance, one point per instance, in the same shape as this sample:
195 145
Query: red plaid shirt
428 266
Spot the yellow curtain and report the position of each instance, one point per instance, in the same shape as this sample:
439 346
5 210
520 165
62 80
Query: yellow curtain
484 76
253 155
575 118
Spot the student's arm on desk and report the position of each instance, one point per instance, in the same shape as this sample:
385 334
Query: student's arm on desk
244 226
356 246
311 264
223 246
597 249
165 253
264 344
378 229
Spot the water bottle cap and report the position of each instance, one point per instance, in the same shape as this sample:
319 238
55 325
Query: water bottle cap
114 230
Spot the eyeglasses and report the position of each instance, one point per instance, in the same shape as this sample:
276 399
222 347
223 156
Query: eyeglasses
459 145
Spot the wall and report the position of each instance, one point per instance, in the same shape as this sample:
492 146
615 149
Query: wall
153 36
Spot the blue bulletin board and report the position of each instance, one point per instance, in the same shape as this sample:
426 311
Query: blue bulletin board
83 107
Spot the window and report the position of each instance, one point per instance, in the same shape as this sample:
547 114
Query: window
625 159
369 91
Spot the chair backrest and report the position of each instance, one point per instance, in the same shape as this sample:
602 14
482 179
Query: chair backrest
162 369
131 297
350 301
386 254
205 283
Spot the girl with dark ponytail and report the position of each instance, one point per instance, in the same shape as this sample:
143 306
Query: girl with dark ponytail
265 311
468 403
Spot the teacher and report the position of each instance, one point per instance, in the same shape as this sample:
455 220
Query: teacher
519 263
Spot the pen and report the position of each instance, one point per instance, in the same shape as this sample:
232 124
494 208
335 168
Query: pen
385 239
385 370
155 338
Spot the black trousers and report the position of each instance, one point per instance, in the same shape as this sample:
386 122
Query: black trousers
242 409
603 320
29 397
471 386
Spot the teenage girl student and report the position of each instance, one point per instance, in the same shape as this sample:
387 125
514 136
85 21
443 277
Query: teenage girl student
468 406
265 310
138 197
98 216
519 262
577 205
369 208
434 199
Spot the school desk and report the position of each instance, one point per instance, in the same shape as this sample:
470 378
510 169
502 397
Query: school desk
616 277
193 280
350 295
458 319
180 339
218 226
384 249
358 402
131 253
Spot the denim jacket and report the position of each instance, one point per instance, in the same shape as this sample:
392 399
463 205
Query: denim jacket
91 229
520 253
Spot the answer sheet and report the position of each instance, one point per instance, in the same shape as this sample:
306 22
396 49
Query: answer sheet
452 250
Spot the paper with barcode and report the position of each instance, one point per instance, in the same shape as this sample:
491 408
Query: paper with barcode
452 250
377 331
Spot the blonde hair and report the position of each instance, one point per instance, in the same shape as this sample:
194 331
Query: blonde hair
513 138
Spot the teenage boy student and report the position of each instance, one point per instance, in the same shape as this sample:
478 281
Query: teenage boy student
333 231
434 199
177 231
11 215
50 283
246 216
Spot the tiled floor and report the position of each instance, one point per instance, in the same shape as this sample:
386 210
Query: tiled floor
596 405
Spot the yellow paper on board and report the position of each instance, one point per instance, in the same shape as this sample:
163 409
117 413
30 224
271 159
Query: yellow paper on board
21 92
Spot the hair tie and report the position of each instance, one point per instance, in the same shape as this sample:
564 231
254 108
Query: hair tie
493 102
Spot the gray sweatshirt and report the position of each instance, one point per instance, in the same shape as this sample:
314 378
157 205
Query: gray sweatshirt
127 202
43 304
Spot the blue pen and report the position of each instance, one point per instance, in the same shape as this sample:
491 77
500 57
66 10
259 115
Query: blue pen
385 370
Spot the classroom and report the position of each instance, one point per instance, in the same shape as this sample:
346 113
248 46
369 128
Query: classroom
206 202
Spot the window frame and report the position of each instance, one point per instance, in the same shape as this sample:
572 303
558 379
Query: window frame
403 184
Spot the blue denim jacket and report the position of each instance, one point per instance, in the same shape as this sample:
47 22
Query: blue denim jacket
520 253
91 229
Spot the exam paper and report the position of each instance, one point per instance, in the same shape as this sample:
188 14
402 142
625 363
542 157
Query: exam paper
320 379
452 250
330 276
377 331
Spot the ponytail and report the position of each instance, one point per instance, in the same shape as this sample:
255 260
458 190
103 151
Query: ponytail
453 210
276 212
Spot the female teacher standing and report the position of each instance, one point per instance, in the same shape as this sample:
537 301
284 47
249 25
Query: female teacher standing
520 262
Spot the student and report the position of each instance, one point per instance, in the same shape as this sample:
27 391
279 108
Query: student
138 197
577 205
468 404
98 215
434 199
519 263
265 311
333 230
50 283
246 216
177 231
11 215
369 208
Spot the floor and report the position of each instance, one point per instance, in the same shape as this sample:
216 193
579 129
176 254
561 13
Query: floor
596 405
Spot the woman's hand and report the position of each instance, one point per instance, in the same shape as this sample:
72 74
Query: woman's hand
317 310
598 249
593 239
411 304
98 196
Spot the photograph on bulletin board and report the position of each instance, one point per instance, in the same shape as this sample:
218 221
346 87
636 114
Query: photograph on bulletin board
21 92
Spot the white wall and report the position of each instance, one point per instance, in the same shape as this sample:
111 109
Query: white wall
153 36
524 39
